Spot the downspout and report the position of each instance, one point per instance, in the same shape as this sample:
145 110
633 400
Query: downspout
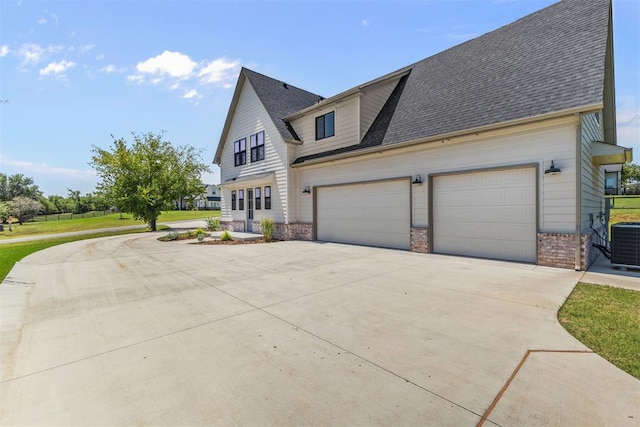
578 243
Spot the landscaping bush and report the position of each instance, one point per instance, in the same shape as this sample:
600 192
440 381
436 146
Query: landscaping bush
213 224
266 226
226 236
173 235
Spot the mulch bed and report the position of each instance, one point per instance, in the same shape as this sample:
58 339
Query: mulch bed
231 242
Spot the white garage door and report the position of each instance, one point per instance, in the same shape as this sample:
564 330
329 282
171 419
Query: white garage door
486 214
372 213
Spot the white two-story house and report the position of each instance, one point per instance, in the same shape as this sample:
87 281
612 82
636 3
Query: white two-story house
494 148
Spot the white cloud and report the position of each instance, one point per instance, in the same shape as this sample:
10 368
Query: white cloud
218 70
172 69
167 64
109 69
42 21
30 53
47 169
100 57
366 22
57 69
4 50
192 94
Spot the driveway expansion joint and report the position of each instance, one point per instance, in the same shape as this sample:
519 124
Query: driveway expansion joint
504 388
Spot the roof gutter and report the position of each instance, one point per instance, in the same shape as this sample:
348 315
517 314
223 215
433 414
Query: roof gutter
501 125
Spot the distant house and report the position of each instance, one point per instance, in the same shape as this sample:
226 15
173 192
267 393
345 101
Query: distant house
494 148
208 200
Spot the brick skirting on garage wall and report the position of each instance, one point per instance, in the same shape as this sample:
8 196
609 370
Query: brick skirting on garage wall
420 240
559 249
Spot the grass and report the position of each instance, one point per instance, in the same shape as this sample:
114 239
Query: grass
607 320
10 253
82 224
625 202
627 209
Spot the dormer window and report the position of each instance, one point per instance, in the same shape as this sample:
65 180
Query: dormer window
256 141
325 126
240 152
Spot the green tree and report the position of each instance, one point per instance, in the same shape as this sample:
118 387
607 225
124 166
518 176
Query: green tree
18 185
4 212
630 173
147 177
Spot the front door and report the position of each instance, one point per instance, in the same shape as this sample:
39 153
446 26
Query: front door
250 210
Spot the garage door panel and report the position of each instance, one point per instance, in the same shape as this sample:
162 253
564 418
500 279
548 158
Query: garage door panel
487 214
375 214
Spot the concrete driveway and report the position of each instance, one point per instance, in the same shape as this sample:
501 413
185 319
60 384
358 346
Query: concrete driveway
131 331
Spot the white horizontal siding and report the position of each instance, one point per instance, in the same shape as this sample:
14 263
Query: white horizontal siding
592 176
554 140
346 128
371 102
251 117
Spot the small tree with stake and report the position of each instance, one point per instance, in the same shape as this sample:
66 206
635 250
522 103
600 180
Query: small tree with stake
147 177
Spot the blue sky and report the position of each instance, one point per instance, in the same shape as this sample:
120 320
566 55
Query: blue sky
76 72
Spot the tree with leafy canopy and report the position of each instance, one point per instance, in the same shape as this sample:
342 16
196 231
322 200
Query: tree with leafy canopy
18 185
630 173
149 176
21 206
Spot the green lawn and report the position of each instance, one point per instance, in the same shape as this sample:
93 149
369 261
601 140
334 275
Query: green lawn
607 320
10 253
105 221
626 209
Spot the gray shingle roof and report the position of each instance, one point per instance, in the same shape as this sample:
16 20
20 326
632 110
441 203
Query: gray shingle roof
280 99
549 61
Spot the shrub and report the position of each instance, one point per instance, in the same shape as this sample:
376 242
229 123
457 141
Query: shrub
213 224
266 226
226 236
173 235
198 231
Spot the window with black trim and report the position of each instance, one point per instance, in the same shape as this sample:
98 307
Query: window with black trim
267 197
256 141
325 126
240 200
240 152
256 194
233 200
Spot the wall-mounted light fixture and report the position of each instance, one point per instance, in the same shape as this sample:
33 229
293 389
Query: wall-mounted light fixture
306 190
417 180
552 170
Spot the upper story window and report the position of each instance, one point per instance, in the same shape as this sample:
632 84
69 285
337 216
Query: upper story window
325 126
240 152
256 141
233 200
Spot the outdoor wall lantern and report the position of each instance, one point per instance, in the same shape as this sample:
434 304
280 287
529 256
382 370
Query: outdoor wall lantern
417 180
306 190
553 170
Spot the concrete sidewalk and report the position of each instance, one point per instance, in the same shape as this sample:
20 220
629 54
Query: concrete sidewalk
189 224
128 330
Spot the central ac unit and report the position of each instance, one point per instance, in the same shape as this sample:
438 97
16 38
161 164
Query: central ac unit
625 243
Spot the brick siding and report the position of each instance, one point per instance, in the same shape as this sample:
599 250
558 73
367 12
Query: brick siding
420 240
